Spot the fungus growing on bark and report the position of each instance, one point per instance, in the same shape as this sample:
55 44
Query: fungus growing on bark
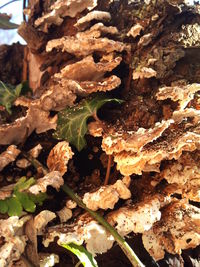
179 228
61 9
137 218
14 243
59 156
85 230
53 179
107 196
8 156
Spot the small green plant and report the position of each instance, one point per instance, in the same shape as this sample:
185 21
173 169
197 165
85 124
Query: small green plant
72 122
85 257
20 199
9 93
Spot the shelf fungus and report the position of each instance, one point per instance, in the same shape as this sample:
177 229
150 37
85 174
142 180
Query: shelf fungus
80 78
53 179
8 156
59 156
185 173
107 196
42 219
85 43
138 218
36 118
13 243
178 229
64 214
167 148
183 94
61 9
83 22
85 230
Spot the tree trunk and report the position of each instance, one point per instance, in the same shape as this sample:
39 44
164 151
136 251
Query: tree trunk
147 54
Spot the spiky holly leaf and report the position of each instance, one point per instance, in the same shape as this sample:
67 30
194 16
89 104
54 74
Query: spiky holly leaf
19 200
6 24
72 122
84 256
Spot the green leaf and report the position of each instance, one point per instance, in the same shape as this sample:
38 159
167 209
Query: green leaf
9 93
72 122
38 199
14 206
24 184
3 207
84 256
5 22
26 202
21 200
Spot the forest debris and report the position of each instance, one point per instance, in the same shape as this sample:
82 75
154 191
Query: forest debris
8 156
42 219
183 94
145 39
35 151
85 46
144 73
61 9
137 218
53 179
95 128
64 214
190 34
133 141
48 259
179 228
107 196
31 250
71 204
85 230
6 191
82 23
135 30
59 156
13 242
23 163
36 119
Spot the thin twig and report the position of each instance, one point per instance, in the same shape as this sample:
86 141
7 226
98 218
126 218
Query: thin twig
35 162
120 240
8 3
108 170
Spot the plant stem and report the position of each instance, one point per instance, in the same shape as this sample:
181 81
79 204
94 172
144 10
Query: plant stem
35 162
119 239
108 170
